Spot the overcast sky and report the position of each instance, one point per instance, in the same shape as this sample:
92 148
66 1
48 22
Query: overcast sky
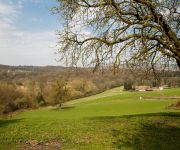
27 32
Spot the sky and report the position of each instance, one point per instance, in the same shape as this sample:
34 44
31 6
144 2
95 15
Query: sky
28 32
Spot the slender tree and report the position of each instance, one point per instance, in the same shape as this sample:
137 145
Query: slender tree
113 31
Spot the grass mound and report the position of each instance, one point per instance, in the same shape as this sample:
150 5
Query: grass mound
112 120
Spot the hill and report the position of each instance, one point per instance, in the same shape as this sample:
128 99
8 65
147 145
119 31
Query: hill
112 120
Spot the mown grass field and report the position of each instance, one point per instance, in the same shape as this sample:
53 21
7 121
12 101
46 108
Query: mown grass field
108 121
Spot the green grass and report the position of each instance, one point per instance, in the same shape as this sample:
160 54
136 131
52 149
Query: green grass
108 121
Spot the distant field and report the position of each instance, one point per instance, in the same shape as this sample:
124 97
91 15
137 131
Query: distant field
108 121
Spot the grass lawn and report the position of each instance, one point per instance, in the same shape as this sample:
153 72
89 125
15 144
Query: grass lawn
108 121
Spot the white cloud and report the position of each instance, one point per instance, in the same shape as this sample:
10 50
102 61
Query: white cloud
27 48
20 47
6 9
8 14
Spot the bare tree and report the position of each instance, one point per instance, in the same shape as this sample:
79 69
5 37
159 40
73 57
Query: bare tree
59 92
98 32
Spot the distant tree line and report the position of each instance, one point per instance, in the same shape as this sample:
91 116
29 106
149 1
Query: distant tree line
22 90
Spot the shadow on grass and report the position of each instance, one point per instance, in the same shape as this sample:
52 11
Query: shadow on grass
62 108
160 114
149 137
67 107
4 123
156 131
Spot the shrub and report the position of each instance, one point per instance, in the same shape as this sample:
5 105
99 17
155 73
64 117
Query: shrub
8 93
128 85
59 93
23 103
75 94
40 99
12 99
9 107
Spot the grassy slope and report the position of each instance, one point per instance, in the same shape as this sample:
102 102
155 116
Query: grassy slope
111 120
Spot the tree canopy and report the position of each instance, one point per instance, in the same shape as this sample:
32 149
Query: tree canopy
100 32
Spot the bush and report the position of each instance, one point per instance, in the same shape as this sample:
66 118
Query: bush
8 93
1 109
9 107
40 99
20 103
128 85
75 94
58 93
23 103
12 99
